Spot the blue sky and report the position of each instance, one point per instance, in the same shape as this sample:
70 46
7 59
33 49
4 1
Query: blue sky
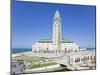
34 21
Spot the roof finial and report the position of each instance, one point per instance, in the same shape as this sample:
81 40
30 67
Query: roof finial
57 14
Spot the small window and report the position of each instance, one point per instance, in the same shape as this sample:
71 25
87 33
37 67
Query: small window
47 48
14 73
13 65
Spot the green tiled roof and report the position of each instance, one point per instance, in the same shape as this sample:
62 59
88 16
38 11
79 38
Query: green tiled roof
45 41
66 41
50 41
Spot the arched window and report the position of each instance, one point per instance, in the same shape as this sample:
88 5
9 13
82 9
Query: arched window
65 48
56 50
47 48
91 57
75 50
94 57
59 50
14 73
81 59
35 51
76 59
88 57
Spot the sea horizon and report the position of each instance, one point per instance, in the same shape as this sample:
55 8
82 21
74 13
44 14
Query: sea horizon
20 50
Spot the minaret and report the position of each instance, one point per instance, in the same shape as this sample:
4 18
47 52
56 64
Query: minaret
57 31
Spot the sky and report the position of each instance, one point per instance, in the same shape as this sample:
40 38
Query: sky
32 21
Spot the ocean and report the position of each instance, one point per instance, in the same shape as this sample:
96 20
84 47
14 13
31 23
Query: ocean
19 50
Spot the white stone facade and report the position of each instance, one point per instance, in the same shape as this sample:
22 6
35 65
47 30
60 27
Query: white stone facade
69 52
49 46
57 43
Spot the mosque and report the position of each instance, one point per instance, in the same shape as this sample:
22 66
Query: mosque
58 43
72 54
64 52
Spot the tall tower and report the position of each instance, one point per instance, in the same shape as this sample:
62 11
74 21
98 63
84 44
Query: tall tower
57 31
